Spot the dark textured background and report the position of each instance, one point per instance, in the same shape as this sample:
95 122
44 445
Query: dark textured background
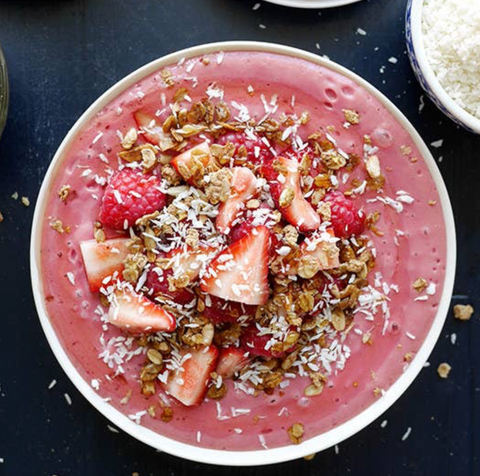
61 56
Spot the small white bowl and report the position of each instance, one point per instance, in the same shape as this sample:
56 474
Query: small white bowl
425 74
312 3
257 457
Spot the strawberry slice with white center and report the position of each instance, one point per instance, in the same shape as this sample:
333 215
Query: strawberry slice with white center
136 314
102 260
240 272
190 262
188 383
318 252
152 130
287 193
243 188
186 163
231 361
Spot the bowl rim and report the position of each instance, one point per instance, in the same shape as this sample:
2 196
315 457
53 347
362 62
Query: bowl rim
313 3
5 87
254 457
431 78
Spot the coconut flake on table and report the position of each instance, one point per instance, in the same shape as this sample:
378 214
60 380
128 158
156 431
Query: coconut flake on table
437 144
407 433
451 35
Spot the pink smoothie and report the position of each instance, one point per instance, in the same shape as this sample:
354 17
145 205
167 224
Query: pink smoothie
413 246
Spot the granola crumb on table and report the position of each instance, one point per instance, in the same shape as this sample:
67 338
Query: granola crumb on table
443 370
463 312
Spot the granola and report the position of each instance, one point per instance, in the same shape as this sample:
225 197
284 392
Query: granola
463 312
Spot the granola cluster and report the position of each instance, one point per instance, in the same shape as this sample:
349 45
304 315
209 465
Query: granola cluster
302 326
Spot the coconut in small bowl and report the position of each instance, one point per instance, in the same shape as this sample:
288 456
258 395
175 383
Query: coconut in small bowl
443 41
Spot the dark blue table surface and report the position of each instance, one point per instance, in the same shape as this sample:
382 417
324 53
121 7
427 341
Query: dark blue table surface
61 56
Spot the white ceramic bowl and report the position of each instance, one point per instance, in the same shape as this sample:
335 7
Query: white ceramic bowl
312 3
425 74
258 457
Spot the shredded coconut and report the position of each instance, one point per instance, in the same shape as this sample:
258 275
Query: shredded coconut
451 33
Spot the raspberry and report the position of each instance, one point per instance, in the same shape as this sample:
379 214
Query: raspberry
346 219
128 196
257 151
159 285
221 310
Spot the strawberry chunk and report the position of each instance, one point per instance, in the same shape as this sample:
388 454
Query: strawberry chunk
152 132
102 260
286 190
243 188
182 261
136 314
319 252
219 310
240 272
190 262
260 345
157 281
230 361
254 149
188 384
185 163
129 196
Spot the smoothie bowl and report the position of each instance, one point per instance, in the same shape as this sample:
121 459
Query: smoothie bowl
242 254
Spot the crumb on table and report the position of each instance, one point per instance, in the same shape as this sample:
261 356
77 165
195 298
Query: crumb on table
444 370
463 312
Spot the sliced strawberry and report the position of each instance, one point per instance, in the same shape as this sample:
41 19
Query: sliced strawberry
240 230
102 260
299 212
231 361
136 314
316 165
188 384
151 127
256 150
257 344
244 187
318 250
184 163
240 272
219 310
189 261
181 261
157 281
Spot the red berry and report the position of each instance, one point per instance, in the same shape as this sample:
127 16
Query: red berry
221 310
257 151
254 343
130 195
346 219
240 230
159 285
316 165
248 222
